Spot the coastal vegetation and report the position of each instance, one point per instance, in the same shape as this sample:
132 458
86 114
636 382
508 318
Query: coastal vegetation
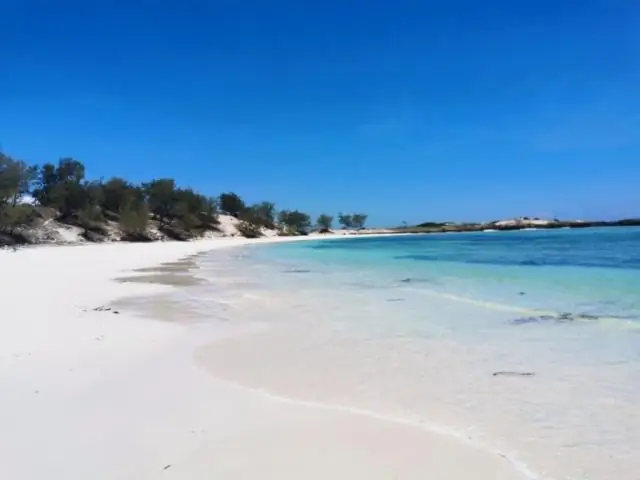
32 195
356 220
324 222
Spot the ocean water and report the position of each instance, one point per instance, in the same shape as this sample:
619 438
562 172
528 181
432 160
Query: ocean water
590 272
421 328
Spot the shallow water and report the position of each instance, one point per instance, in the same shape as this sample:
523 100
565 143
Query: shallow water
414 328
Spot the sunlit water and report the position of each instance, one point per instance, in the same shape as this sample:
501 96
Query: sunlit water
414 327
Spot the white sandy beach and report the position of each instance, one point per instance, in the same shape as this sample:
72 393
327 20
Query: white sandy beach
95 395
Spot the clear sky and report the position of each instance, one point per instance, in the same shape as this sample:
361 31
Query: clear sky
407 109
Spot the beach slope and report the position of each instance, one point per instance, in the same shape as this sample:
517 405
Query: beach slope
89 391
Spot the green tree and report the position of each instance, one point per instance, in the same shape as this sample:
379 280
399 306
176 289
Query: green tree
185 209
61 187
295 221
93 193
282 217
16 179
262 214
85 203
46 183
119 195
161 195
210 211
90 217
266 213
345 220
324 222
358 220
232 204
134 220
194 210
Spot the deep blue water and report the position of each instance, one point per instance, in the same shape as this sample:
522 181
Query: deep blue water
606 248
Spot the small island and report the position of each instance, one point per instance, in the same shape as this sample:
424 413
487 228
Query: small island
519 223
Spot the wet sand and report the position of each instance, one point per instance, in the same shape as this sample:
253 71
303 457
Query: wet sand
168 279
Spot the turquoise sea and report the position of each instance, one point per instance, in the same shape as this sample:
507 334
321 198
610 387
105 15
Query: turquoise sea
416 327
593 273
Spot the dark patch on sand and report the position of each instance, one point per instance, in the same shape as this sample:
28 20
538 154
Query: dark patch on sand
160 307
395 299
513 374
170 279
181 266
297 270
564 317
102 308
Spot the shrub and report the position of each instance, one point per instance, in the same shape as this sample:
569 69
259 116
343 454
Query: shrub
295 221
134 222
232 204
249 230
324 223
12 217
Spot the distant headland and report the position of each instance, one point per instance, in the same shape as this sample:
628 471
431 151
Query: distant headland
519 223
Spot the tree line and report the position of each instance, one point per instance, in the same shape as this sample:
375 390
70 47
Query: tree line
178 212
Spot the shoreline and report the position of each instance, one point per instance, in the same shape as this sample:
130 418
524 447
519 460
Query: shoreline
236 240
521 469
77 381
215 241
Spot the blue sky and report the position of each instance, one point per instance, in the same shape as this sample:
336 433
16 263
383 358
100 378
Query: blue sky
408 110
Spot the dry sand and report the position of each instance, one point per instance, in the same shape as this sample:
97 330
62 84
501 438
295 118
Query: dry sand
90 394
